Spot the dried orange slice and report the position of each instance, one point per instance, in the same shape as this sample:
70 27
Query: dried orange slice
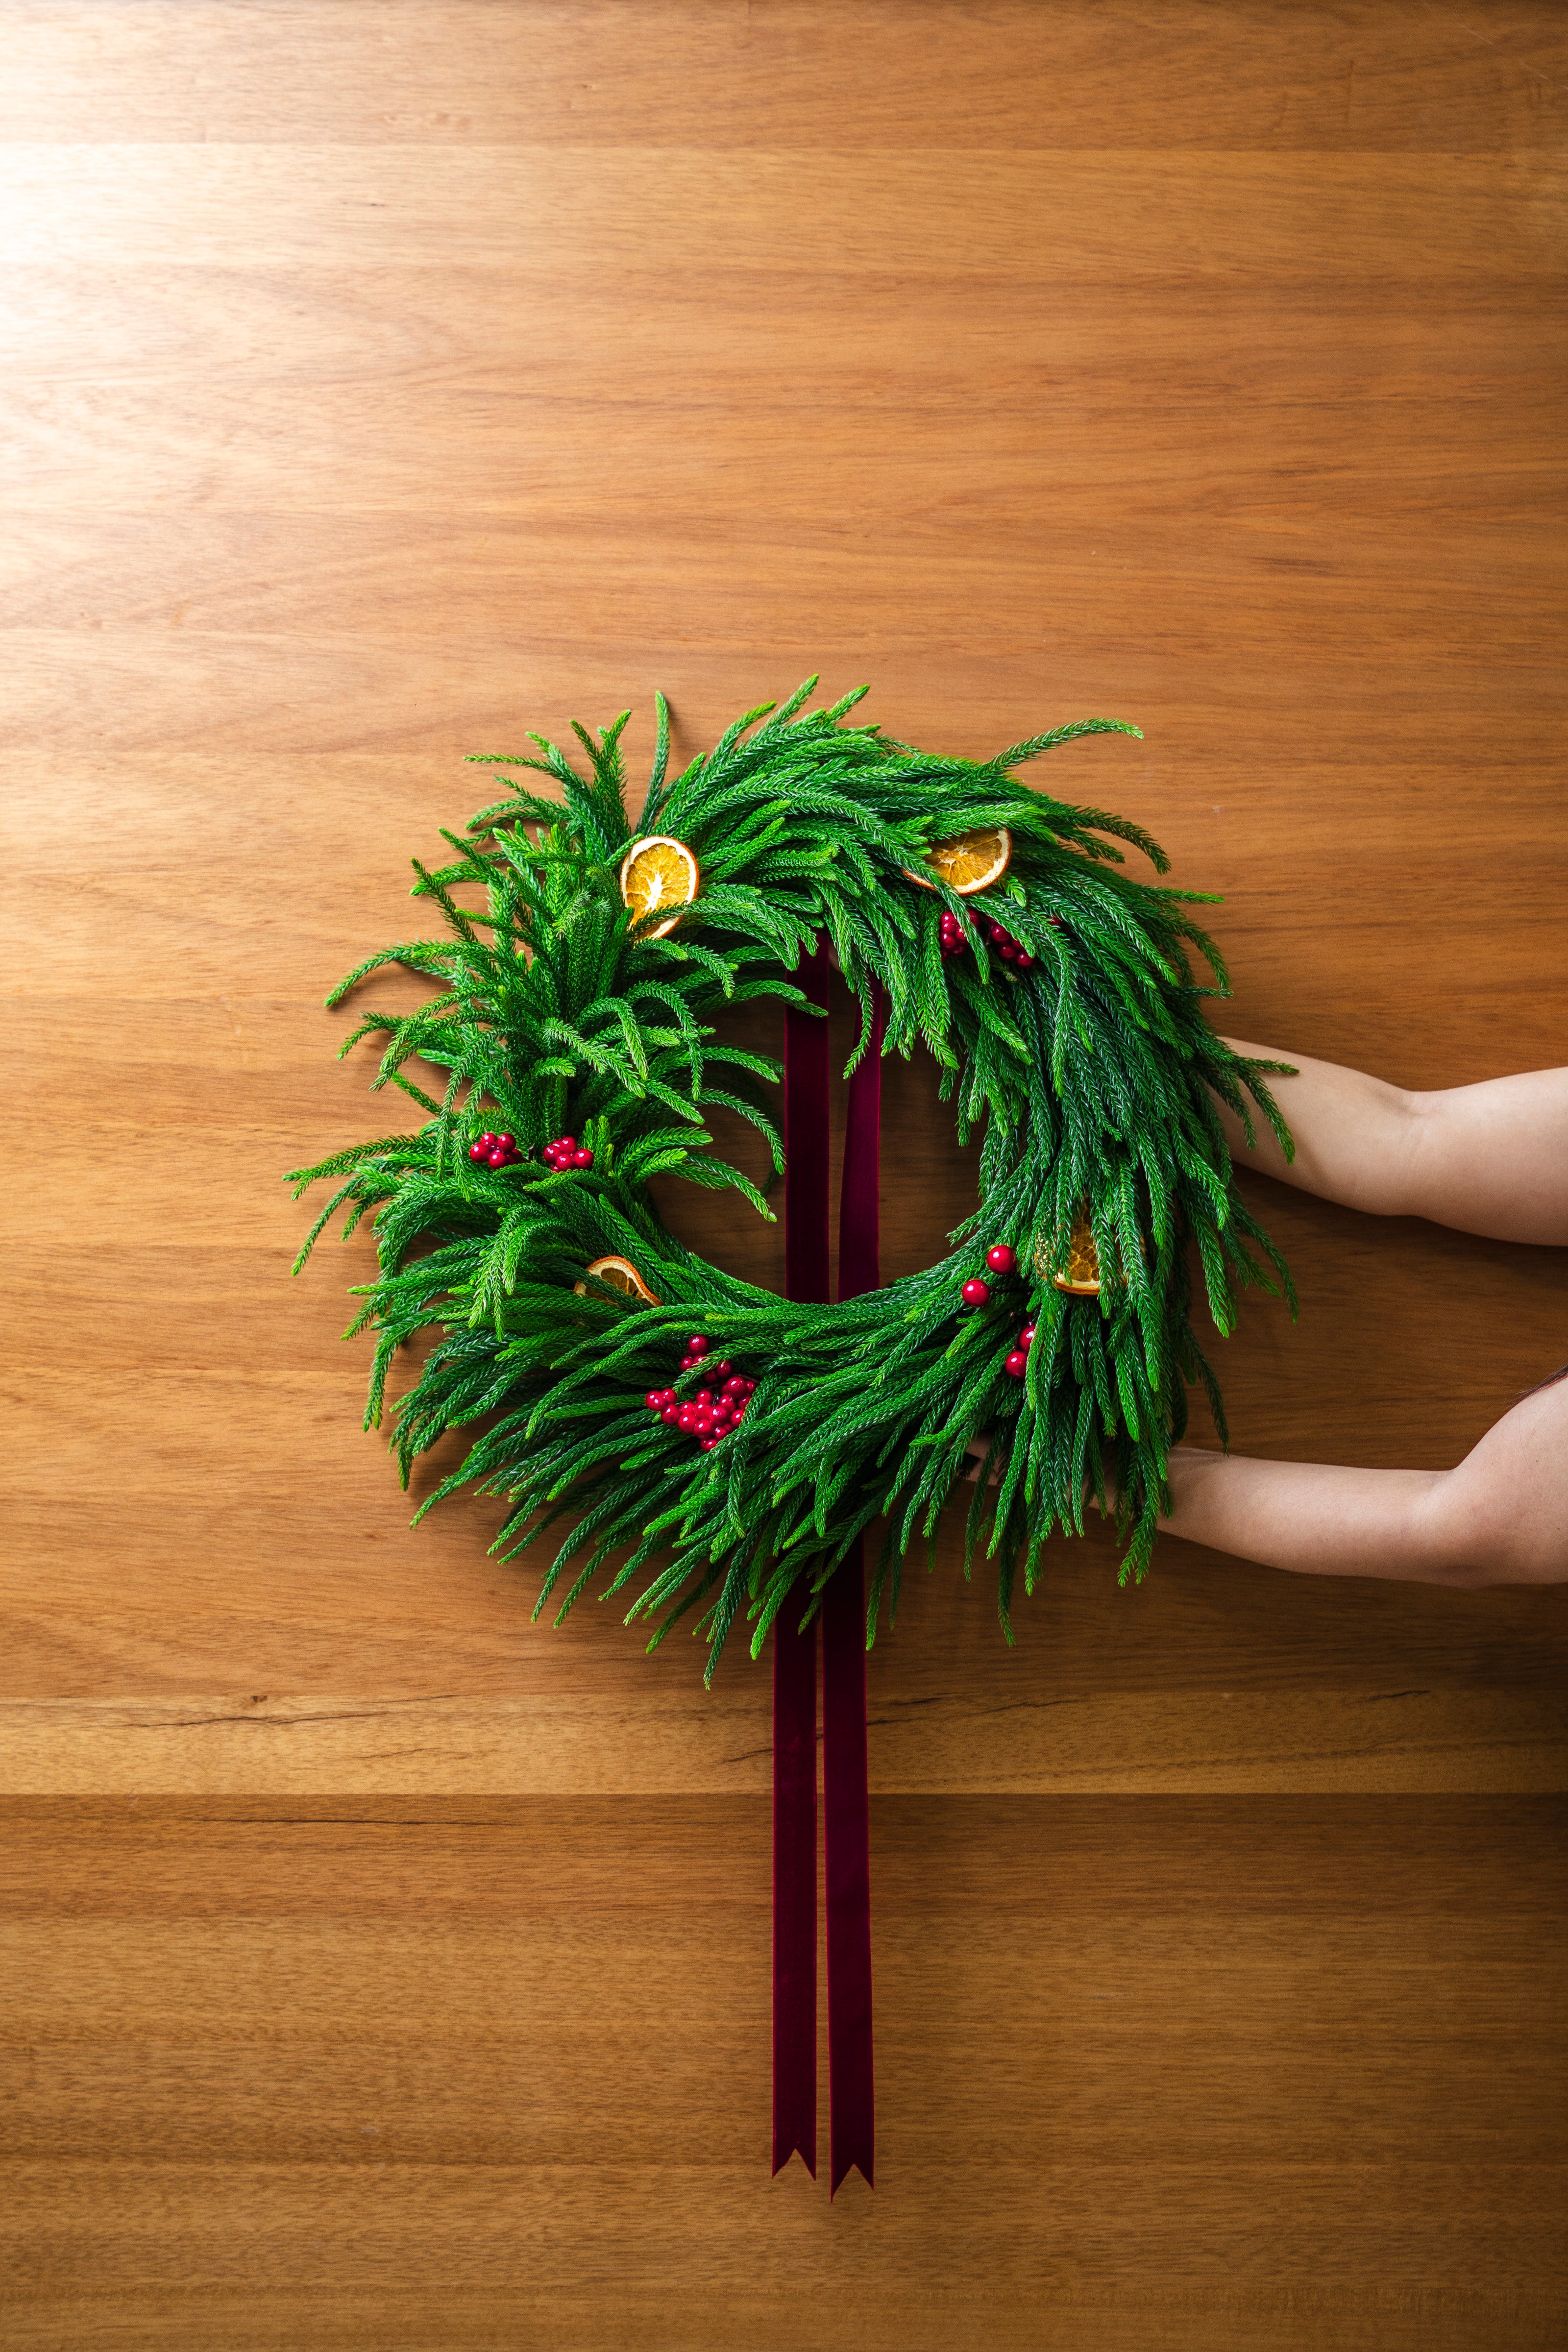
621 1275
655 872
1081 1274
974 861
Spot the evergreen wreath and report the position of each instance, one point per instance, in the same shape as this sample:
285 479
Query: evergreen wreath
576 1015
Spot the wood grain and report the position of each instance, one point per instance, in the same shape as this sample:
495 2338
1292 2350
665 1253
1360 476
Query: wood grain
378 1968
384 2073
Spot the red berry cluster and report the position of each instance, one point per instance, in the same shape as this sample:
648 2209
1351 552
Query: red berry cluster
1017 1363
1000 1258
566 1152
953 934
1010 950
494 1150
712 1411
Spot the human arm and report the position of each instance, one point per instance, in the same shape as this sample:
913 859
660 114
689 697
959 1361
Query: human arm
1487 1159
1500 1517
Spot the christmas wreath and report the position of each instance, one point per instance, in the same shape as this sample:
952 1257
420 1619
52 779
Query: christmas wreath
724 1442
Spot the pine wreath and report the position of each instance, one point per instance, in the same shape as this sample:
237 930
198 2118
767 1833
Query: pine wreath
575 1024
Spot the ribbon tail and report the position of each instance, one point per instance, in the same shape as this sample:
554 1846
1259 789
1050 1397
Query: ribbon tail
853 2129
794 1889
853 2126
806 1271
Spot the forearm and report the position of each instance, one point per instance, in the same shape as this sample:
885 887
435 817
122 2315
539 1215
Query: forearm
1500 1517
1354 1133
1489 1159
1311 1516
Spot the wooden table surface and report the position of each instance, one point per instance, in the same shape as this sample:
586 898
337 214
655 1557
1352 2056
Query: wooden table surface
385 377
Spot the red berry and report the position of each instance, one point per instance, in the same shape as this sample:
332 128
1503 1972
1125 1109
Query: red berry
671 1416
703 1398
697 1345
1017 1363
1002 1257
739 1413
688 1420
495 1159
687 1362
655 1400
734 1386
477 1151
720 1371
975 1294
707 1444
1023 960
751 1387
506 1142
1026 1336
581 1156
566 1143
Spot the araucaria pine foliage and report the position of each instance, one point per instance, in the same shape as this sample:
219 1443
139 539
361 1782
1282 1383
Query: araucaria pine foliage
1087 1072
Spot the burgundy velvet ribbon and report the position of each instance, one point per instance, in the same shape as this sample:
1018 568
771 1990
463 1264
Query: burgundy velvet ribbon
853 2130
795 1653
794 1888
807 1262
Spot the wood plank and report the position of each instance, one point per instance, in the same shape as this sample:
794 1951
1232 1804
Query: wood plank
1114 2035
942 74
633 1741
